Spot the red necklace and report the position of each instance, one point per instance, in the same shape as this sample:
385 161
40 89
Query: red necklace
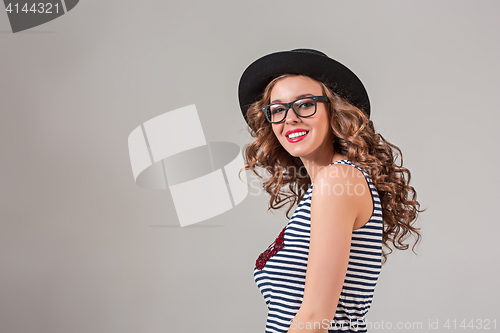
274 248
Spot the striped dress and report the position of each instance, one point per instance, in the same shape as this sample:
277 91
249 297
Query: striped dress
281 276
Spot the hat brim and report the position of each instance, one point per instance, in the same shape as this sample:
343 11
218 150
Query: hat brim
322 68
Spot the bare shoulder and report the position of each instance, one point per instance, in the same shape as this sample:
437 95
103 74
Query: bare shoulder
341 192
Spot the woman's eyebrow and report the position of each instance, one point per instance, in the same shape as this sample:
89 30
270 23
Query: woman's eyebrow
297 97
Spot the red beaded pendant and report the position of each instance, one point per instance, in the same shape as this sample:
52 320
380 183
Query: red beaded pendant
274 248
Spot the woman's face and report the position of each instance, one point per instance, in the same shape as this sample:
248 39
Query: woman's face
318 139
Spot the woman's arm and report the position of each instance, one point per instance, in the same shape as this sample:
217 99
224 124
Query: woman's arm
334 209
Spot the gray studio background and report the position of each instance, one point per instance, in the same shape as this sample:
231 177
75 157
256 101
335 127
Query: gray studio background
84 249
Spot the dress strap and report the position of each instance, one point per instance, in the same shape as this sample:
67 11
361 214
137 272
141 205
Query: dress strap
341 161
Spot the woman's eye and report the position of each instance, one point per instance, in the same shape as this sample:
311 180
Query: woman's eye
277 110
306 104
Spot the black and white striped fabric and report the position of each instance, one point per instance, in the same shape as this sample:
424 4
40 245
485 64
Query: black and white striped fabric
282 279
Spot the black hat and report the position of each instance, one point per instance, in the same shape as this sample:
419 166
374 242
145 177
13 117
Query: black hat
312 63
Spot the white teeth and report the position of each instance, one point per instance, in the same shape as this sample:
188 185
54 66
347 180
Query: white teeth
296 135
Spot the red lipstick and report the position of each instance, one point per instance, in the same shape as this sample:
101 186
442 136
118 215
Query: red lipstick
296 139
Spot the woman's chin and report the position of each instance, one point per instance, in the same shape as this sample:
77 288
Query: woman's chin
295 152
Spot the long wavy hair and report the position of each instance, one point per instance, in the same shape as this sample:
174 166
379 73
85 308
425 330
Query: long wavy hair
356 138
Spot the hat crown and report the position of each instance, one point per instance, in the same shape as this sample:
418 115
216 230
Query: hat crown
310 51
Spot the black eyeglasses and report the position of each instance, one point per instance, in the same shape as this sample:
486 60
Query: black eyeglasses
303 107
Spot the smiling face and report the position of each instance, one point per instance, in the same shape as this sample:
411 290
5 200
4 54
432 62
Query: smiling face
317 142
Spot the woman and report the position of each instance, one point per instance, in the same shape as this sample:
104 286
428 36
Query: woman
309 116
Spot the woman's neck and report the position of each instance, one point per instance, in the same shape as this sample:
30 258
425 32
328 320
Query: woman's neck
314 166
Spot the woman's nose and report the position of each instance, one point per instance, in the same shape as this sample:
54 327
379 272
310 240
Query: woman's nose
291 116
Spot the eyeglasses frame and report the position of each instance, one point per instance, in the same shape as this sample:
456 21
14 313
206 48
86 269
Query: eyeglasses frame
290 105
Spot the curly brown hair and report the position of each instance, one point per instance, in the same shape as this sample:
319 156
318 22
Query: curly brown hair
356 138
